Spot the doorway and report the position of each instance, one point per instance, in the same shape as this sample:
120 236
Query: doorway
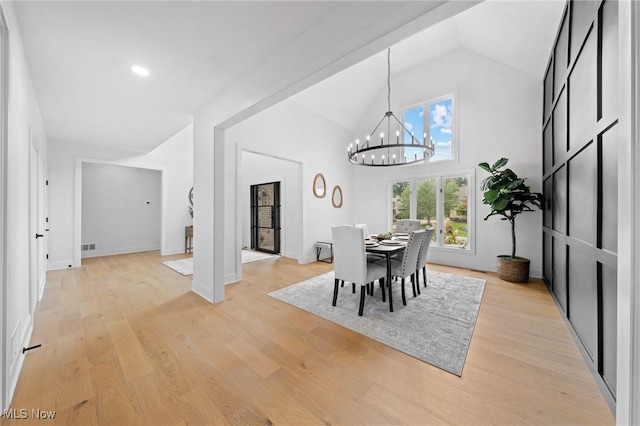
265 217
121 209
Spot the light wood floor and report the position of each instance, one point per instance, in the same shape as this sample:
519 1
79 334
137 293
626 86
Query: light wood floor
125 342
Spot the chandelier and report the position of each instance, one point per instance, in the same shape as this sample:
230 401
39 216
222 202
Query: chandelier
390 153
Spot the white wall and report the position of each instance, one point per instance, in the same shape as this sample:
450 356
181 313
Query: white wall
257 169
498 115
24 116
289 131
174 158
120 209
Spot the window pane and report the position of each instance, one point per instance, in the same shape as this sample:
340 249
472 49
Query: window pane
456 225
441 128
414 122
401 199
427 205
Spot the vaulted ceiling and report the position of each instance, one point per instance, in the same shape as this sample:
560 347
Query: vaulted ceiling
80 54
518 34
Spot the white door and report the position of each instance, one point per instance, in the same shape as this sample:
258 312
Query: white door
44 226
36 226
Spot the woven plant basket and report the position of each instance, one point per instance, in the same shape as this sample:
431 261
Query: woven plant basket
513 269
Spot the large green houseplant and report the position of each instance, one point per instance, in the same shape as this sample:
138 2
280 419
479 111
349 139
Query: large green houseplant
508 196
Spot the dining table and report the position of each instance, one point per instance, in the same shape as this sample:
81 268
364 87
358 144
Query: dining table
387 248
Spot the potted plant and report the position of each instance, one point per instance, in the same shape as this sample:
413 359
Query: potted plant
508 196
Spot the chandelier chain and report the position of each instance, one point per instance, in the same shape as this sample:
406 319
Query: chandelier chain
389 79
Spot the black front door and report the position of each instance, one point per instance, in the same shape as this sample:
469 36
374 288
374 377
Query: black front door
265 217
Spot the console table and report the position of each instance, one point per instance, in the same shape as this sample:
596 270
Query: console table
188 239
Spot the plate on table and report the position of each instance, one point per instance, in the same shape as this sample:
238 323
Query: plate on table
401 234
402 237
392 242
371 244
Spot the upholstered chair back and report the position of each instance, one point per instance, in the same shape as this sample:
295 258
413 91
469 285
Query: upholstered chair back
365 229
407 225
411 252
349 257
424 249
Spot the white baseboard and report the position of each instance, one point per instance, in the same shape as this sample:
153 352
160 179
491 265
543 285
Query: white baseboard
41 286
536 273
169 252
205 292
63 264
307 259
123 250
290 254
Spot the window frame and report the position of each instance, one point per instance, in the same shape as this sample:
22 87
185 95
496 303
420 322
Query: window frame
439 245
426 119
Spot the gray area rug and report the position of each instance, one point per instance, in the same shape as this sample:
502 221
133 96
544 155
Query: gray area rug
185 266
254 256
435 327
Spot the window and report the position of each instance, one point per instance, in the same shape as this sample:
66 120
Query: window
439 202
414 122
456 221
400 201
436 126
427 205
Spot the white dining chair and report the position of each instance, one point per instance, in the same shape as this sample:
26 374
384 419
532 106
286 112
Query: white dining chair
422 258
407 225
364 227
371 257
407 266
350 262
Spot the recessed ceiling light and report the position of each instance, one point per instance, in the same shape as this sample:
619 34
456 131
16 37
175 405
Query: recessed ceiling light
136 69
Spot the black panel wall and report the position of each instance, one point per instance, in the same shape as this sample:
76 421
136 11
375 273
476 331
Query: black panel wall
580 151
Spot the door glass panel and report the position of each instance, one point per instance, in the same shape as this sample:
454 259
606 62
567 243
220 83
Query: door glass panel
264 217
265 239
265 195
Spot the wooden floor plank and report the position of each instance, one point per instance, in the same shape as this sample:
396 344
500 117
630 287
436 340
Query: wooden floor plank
253 358
125 341
133 359
115 404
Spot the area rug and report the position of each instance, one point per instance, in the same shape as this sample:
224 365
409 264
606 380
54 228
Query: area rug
185 266
435 327
253 256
